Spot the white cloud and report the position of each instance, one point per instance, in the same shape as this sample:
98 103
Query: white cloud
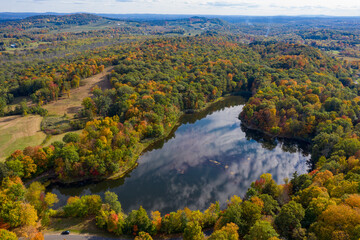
219 7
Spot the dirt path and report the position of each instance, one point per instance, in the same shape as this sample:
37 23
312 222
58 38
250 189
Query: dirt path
71 105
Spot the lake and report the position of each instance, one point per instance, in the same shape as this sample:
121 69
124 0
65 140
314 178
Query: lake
208 158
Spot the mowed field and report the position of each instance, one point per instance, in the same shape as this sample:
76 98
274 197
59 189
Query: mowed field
58 137
72 104
350 59
17 132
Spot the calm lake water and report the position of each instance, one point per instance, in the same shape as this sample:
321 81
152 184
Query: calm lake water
208 158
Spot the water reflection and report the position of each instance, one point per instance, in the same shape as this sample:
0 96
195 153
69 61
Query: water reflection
208 158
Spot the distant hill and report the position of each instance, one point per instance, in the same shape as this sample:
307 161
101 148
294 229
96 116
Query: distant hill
76 19
86 22
160 24
189 20
22 15
85 18
151 17
61 22
145 17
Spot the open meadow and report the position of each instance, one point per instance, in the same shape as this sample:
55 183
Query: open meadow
18 132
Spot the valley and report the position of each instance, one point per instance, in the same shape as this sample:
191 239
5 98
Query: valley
165 126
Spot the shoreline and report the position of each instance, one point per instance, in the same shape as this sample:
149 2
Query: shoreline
272 135
143 146
133 163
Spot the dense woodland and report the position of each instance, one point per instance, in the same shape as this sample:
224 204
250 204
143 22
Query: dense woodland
298 91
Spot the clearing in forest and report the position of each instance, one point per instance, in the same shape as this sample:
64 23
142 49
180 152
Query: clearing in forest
17 132
71 104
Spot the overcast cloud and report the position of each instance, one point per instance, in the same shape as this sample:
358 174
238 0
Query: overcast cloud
216 7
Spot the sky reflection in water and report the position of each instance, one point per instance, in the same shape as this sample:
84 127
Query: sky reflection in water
206 161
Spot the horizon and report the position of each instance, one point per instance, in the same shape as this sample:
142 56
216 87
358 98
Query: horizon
182 14
347 8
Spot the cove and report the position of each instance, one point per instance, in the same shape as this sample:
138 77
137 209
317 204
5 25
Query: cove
209 157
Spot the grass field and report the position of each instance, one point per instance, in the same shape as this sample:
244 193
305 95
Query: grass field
351 59
72 104
17 132
32 45
59 137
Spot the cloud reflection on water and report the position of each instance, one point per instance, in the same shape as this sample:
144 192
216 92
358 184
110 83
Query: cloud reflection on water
196 150
207 161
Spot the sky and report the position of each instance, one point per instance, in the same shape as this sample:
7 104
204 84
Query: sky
200 7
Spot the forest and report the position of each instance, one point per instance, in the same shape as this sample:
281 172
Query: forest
299 90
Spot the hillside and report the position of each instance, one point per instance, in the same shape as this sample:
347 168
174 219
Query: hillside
302 76
44 21
58 23
12 139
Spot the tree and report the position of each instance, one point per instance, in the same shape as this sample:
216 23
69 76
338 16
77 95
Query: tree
36 196
315 208
353 201
29 166
70 156
175 222
20 164
50 199
33 195
156 219
261 230
112 199
89 110
228 232
299 182
84 206
337 219
266 185
71 137
211 215
333 104
289 218
233 214
31 233
7 235
138 221
143 236
306 195
4 171
271 206
2 106
243 214
251 212
193 231
115 223
28 215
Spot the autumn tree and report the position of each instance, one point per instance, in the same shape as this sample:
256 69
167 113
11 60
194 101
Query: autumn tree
337 219
193 231
138 221
112 199
289 218
261 230
228 232
143 236
7 235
